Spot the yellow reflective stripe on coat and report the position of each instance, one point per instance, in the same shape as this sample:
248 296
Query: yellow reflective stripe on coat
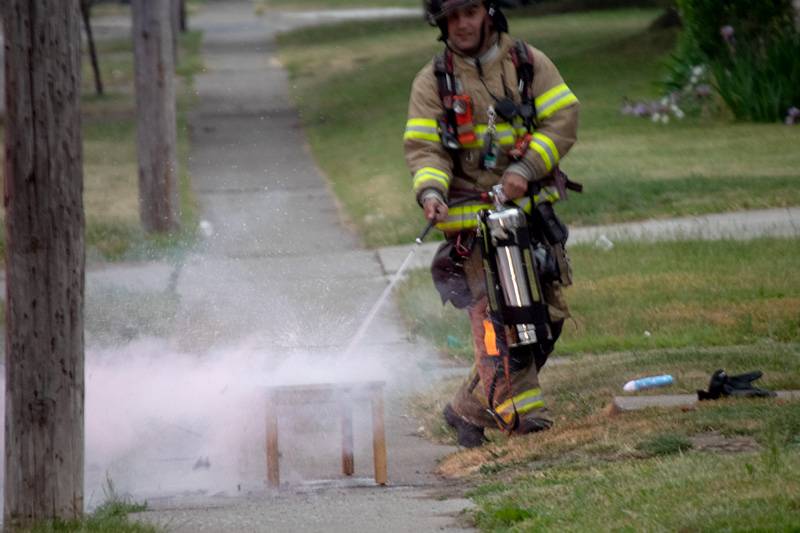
554 100
546 148
465 216
506 135
428 174
547 194
425 129
462 217
524 402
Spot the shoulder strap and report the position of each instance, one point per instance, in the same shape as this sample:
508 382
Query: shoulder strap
446 84
445 80
523 62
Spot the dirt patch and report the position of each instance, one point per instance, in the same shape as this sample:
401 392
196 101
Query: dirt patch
715 442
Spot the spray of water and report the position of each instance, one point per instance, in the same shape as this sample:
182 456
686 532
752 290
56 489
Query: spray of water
367 322
373 312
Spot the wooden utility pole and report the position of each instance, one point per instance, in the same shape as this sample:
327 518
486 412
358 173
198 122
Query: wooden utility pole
175 19
86 14
796 5
182 18
159 199
44 262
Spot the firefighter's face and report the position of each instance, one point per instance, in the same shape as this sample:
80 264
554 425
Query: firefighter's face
464 27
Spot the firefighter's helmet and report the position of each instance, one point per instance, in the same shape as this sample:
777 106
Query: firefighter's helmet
436 12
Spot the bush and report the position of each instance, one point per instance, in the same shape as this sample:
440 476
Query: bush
750 47
752 20
761 81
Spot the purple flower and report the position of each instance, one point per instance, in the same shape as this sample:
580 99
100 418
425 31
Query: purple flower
792 116
727 33
703 90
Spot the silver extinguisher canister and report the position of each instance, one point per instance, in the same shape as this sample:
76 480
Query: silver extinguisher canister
511 272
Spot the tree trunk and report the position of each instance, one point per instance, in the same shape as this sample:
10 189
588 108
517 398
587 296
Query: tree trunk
184 26
159 205
796 4
86 11
44 262
175 19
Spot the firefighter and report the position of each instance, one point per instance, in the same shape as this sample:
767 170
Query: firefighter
487 110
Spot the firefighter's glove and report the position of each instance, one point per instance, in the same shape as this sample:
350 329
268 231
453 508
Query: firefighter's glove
435 209
514 185
739 386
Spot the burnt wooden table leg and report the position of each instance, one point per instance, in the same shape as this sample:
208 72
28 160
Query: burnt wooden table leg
348 466
378 436
273 469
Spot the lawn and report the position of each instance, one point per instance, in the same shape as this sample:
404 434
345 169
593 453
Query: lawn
111 178
728 465
681 308
351 84
641 296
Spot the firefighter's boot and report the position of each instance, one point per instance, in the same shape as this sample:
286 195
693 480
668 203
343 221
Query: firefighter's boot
469 435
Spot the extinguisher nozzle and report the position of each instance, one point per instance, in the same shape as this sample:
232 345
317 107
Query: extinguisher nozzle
425 232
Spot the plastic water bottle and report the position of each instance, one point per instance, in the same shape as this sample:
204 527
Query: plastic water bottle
648 383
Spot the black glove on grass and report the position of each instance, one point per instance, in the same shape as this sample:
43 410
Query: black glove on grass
739 386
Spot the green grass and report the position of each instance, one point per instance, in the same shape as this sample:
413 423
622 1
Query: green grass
664 444
690 492
579 389
352 81
655 469
113 231
684 294
723 465
110 517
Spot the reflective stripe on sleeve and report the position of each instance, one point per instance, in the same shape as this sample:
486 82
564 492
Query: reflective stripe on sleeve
424 176
554 100
462 217
547 194
425 129
505 135
546 148
525 402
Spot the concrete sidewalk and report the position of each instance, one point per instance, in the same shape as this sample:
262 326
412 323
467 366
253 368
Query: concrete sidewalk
279 272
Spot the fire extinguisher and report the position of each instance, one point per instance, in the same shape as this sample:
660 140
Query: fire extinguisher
512 263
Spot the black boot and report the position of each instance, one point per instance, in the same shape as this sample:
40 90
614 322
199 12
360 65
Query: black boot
469 435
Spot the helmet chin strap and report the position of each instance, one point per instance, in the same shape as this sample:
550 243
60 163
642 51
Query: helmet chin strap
484 33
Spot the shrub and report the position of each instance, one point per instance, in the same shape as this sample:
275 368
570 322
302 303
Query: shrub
750 47
760 80
752 20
